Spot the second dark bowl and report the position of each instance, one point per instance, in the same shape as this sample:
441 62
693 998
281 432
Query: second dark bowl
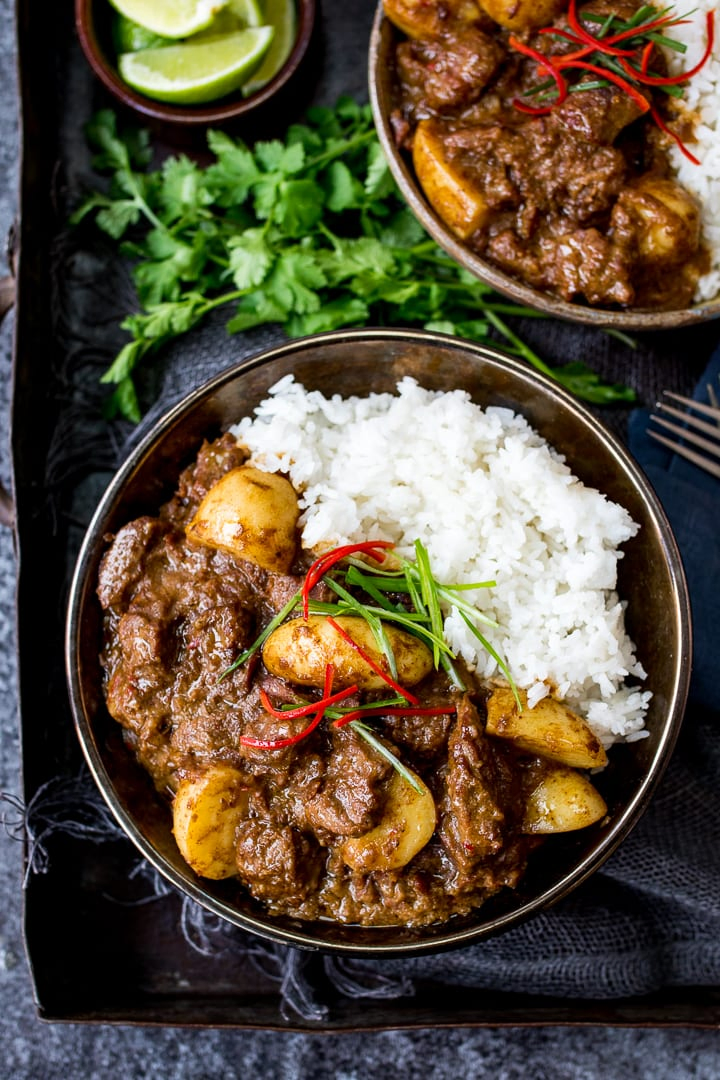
381 78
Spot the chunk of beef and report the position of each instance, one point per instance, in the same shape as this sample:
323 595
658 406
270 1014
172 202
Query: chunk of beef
276 861
575 265
472 818
352 795
214 459
123 563
450 71
597 115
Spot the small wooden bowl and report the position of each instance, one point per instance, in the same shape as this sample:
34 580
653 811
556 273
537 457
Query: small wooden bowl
381 69
93 25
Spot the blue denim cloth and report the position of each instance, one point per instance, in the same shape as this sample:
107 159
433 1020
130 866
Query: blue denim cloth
691 500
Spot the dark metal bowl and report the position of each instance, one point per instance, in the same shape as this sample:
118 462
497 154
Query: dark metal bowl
93 25
357 362
383 40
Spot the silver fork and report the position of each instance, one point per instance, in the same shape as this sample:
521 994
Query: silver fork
704 434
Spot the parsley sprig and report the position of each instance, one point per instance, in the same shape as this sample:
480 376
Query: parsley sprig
308 232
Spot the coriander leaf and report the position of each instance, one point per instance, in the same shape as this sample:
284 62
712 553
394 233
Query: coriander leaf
171 262
277 157
299 206
379 182
294 280
441 326
116 218
265 195
403 230
166 319
343 311
256 309
353 256
124 362
584 382
156 281
123 400
183 191
310 139
250 258
342 188
234 171
375 287
115 151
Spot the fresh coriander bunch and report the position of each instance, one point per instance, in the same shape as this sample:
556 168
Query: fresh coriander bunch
308 232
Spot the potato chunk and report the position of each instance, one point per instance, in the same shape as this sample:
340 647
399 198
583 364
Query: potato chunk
550 730
406 826
252 514
206 813
523 14
427 18
564 800
300 650
665 217
449 189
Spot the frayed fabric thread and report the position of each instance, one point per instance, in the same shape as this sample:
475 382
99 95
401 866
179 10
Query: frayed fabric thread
73 807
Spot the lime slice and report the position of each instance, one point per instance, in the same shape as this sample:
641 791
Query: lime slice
170 18
281 14
193 72
129 36
238 15
247 12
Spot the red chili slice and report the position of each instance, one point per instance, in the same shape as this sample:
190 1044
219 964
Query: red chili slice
305 710
371 663
318 706
675 80
373 548
638 31
603 45
669 131
610 76
543 62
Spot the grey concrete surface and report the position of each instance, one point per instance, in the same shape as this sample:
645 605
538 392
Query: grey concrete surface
32 1050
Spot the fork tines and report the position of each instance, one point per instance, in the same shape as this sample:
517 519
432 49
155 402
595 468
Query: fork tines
691 424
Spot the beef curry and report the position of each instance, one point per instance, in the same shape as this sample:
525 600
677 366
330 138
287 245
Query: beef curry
417 813
553 168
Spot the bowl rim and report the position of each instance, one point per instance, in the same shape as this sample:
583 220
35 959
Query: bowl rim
263 926
189 115
379 70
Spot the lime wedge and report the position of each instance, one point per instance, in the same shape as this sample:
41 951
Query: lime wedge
194 72
247 12
237 15
282 15
170 18
129 36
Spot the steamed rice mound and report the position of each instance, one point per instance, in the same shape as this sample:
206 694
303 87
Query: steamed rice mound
491 500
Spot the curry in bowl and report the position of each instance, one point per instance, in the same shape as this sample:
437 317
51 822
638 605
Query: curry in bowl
570 146
368 698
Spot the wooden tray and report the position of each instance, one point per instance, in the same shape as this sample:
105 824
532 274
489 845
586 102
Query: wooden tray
94 956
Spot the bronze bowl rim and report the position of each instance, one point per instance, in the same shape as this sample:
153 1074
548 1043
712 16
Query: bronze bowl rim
189 116
380 70
294 932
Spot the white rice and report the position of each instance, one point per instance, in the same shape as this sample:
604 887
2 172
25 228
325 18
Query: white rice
490 499
701 98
